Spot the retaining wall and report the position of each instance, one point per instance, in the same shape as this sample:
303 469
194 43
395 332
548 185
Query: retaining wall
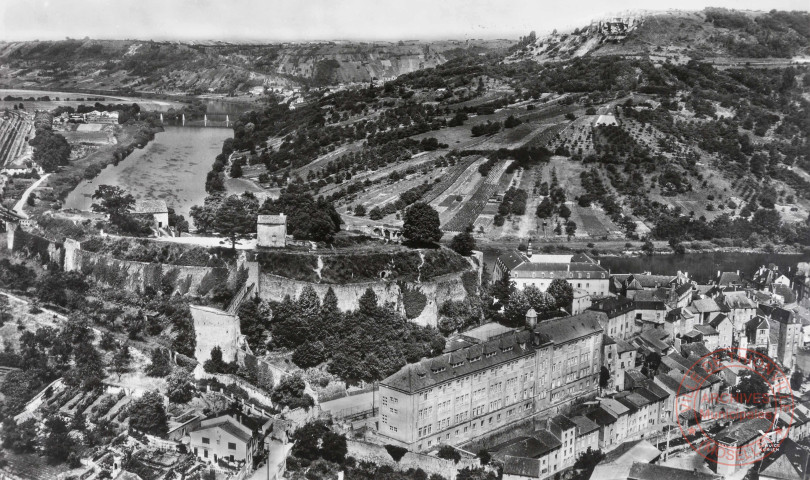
379 455
437 291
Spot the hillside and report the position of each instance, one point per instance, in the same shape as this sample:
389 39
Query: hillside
679 36
630 144
169 67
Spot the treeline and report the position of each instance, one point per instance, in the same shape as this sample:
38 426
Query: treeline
51 150
367 344
765 225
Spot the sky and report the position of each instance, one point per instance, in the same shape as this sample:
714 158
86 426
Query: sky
305 20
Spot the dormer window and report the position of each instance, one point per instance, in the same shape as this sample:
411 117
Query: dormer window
506 349
490 354
440 369
475 359
456 365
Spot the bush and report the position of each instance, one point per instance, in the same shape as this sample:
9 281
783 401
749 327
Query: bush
396 452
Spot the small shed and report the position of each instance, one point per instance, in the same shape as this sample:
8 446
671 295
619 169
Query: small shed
271 230
156 208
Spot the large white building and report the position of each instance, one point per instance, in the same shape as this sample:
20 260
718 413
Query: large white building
579 270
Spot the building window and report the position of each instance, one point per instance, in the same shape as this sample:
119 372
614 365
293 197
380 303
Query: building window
205 453
392 428
231 446
206 440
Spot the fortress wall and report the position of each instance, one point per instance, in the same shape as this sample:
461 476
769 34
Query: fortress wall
215 328
437 291
33 246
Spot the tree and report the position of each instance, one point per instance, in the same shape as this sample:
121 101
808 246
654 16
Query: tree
447 452
216 364
112 200
676 246
107 341
648 247
484 456
236 169
511 122
160 363
179 387
766 222
309 354
604 377
587 462
254 315
545 209
236 218
316 440
359 210
290 393
421 224
57 445
564 212
562 292
147 414
89 371
121 360
20 437
796 380
570 229
754 388
368 302
5 310
376 213
463 243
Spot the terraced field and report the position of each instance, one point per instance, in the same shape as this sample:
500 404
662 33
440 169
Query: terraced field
13 130
473 206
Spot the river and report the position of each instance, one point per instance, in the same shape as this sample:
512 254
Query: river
171 167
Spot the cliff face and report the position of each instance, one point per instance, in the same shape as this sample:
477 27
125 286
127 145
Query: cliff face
170 67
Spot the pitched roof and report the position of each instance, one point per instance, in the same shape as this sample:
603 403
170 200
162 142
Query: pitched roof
150 206
777 313
433 371
737 300
512 259
613 306
649 471
631 452
706 305
562 330
521 466
743 432
584 425
729 278
706 330
716 321
226 424
781 469
654 281
540 443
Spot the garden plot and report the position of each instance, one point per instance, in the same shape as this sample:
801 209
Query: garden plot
463 187
473 206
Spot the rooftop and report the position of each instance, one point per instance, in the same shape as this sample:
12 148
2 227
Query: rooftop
742 433
631 452
150 206
648 471
613 306
279 219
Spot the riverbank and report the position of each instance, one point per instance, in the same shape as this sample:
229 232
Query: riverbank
129 137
